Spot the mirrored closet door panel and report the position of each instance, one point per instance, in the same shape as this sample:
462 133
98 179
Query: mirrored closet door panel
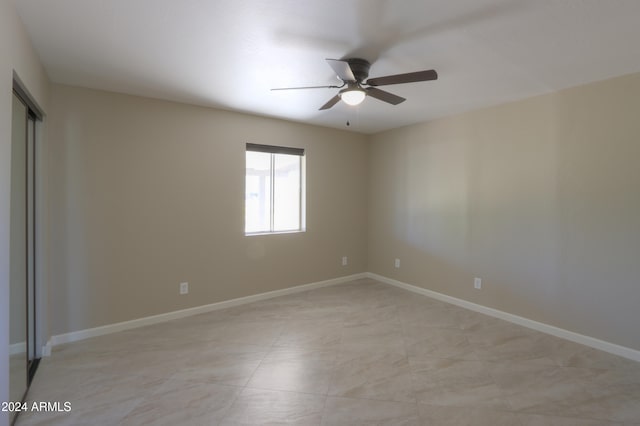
18 363
22 315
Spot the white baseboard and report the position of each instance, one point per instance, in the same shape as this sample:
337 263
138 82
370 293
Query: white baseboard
17 348
535 325
21 348
141 322
46 349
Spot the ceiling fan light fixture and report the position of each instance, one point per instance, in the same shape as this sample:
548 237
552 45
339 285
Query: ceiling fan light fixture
353 97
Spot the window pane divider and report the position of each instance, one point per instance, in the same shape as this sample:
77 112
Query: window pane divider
272 193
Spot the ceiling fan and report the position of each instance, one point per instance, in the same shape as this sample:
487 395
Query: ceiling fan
354 71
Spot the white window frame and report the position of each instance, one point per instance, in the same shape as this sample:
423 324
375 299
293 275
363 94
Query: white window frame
271 149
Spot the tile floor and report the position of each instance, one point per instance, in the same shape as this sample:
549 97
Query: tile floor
361 353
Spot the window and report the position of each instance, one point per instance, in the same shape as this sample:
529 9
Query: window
274 189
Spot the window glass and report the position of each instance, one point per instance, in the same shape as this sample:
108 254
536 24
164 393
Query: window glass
286 205
258 192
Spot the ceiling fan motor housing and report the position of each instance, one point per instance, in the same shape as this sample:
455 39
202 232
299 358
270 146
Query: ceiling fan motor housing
360 68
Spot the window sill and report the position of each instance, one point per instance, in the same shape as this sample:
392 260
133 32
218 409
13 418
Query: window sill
252 234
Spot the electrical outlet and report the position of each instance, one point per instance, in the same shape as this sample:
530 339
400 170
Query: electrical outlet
184 288
477 283
397 263
345 261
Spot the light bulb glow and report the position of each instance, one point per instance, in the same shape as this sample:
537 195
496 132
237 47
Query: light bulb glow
353 96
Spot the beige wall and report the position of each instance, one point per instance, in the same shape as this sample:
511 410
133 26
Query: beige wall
146 194
539 198
16 54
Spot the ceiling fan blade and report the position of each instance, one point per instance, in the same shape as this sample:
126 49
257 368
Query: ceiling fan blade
384 96
308 87
331 102
342 69
410 77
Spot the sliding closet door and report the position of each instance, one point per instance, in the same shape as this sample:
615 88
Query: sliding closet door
22 315
31 245
18 253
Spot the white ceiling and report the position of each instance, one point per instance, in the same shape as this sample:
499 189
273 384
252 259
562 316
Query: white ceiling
229 53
